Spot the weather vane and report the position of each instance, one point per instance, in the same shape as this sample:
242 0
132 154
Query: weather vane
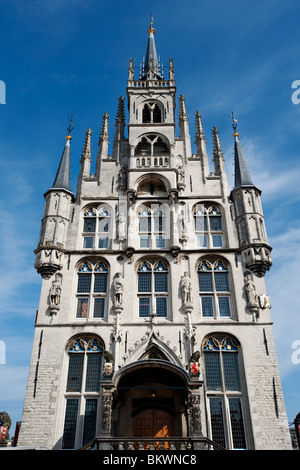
71 125
234 122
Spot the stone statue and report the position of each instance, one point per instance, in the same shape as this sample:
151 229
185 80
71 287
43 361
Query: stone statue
121 226
55 291
249 286
54 294
186 288
118 285
181 174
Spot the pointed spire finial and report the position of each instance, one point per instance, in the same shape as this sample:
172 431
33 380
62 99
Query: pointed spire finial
151 54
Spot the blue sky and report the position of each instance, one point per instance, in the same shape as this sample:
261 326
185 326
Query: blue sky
71 56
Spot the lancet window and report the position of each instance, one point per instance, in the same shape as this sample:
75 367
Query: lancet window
92 289
97 227
224 391
208 226
214 289
82 391
153 288
152 226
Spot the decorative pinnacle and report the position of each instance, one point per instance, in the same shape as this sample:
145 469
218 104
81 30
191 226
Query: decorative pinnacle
199 128
87 152
121 110
70 127
216 142
182 109
104 129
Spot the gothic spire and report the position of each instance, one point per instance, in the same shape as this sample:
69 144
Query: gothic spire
241 173
151 66
62 178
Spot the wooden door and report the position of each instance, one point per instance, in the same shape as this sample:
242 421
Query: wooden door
153 423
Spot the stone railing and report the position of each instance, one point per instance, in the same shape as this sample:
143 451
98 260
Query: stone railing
160 444
150 83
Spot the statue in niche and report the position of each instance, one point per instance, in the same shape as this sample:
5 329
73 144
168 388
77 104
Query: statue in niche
118 286
186 288
55 291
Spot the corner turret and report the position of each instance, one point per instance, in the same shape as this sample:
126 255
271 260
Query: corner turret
58 200
249 219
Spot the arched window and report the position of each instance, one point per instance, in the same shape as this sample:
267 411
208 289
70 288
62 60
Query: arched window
153 146
208 225
97 227
214 288
82 390
152 226
151 113
92 289
153 288
224 391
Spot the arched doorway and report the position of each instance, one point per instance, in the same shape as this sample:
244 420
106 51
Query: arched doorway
151 400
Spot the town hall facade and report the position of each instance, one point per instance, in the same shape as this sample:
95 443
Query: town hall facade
154 327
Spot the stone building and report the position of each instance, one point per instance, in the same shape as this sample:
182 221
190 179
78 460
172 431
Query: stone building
154 320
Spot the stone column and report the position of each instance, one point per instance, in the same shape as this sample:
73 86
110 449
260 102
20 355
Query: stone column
106 410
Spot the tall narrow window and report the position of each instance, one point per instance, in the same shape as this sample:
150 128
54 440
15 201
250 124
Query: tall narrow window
208 226
224 392
153 288
97 227
152 227
92 289
82 391
151 113
214 288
